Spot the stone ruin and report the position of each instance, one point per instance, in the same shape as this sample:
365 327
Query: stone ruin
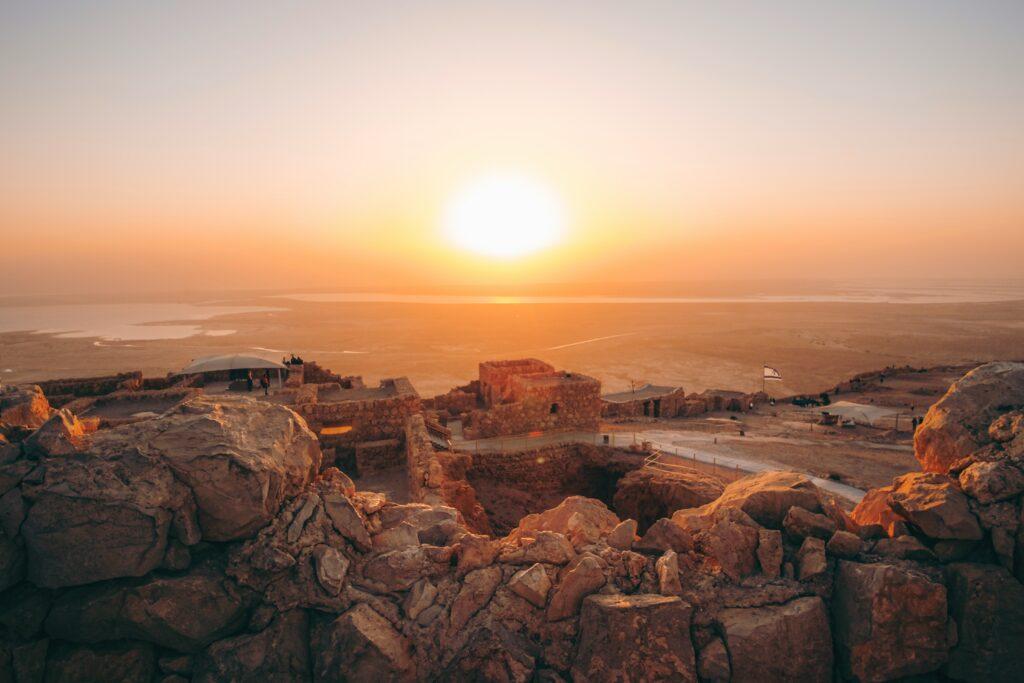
522 396
211 543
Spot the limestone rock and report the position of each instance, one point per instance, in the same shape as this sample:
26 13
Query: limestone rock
730 540
789 642
331 568
400 536
811 559
904 548
475 551
890 622
23 406
634 638
96 518
667 569
623 535
874 510
665 535
844 544
992 481
531 584
346 519
129 662
240 457
957 424
12 561
422 596
280 652
647 495
582 520
799 524
361 645
934 504
580 581
713 662
61 435
184 613
398 570
769 552
477 589
986 603
768 496
548 547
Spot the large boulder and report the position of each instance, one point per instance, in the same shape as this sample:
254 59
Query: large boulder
647 495
635 638
874 511
23 406
987 604
935 504
890 622
582 520
768 496
958 423
240 457
787 642
993 481
361 645
280 652
577 583
127 662
184 613
96 518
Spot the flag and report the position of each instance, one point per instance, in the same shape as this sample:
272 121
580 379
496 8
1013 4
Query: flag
772 373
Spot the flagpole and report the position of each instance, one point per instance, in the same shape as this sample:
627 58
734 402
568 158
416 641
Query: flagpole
762 376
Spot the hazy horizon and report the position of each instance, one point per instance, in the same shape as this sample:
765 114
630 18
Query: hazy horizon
324 146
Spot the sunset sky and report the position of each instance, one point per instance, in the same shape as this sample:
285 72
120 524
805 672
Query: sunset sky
161 146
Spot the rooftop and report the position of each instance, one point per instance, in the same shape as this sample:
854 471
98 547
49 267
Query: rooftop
645 392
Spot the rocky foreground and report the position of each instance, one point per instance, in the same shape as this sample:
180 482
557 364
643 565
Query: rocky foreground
208 544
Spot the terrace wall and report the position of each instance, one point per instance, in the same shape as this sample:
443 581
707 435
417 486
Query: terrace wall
496 377
672 405
372 419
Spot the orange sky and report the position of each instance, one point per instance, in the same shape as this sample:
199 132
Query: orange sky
249 145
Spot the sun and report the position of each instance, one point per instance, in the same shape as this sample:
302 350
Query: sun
504 215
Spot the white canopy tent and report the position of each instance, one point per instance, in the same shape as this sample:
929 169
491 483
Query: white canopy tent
233 362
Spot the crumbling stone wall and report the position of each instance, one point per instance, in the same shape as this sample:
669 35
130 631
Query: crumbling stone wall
62 391
545 402
371 419
670 405
496 377
514 484
458 401
313 373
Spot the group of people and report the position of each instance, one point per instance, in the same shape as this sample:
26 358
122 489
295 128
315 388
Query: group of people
264 382
294 360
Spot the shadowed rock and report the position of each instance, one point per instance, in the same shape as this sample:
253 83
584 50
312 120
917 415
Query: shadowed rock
634 638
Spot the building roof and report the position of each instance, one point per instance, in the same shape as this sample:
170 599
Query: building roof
646 392
230 362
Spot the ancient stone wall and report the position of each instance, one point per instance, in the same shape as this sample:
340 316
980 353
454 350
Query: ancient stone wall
371 419
669 405
62 391
551 401
496 377
457 401
313 373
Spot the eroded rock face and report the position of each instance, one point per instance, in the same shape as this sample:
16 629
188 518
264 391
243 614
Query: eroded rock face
280 652
23 406
96 518
647 495
768 496
874 510
890 622
958 423
787 642
581 520
240 458
934 504
361 645
986 603
184 613
633 638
